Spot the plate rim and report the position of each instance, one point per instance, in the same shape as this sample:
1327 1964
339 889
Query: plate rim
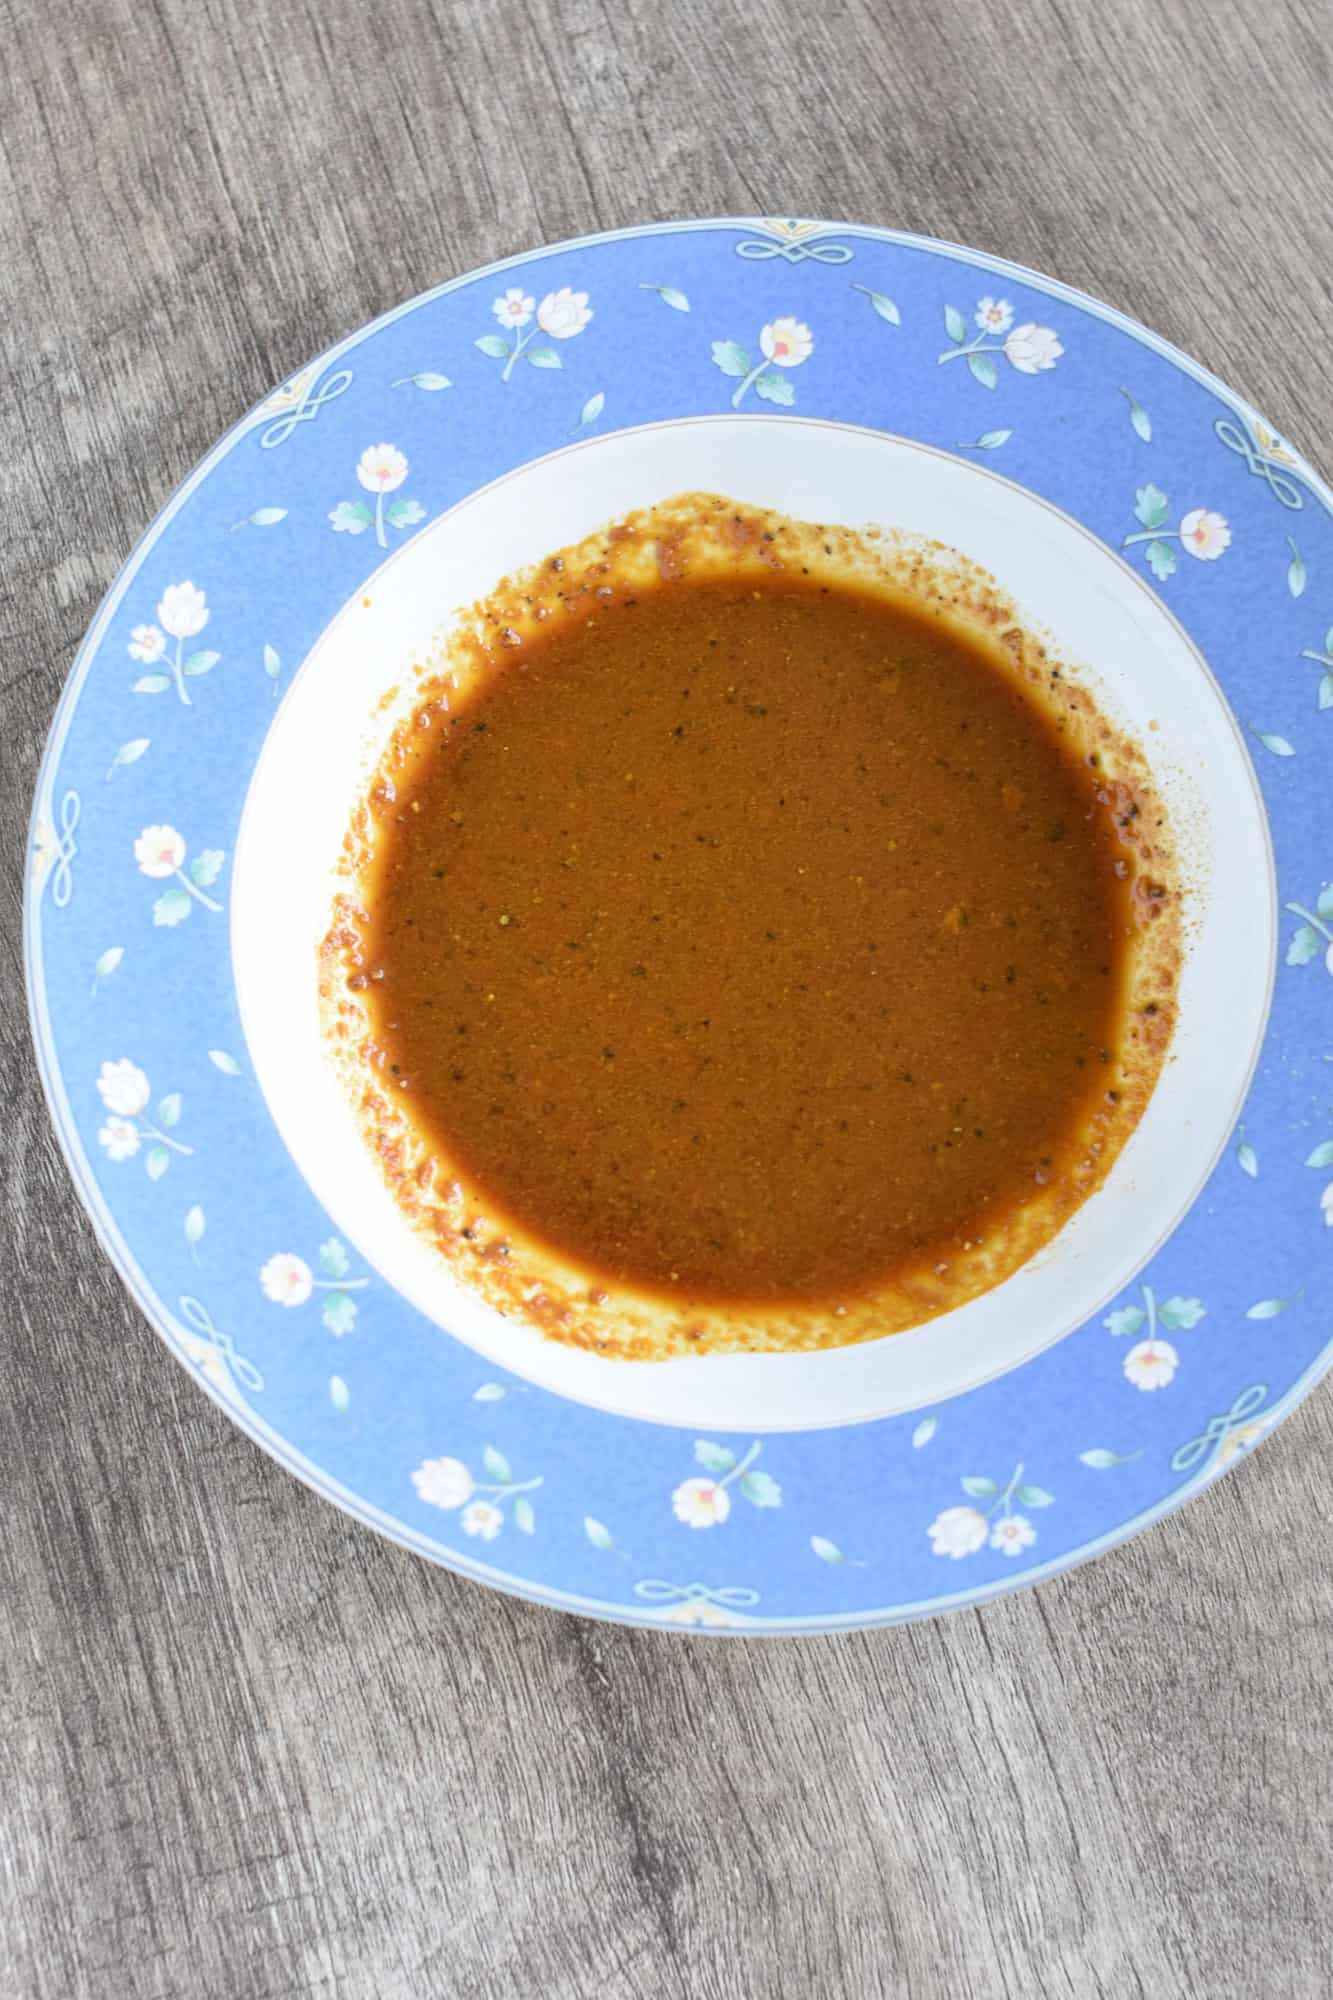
117 1248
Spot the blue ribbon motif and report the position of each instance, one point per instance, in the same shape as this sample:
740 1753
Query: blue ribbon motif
757 251
732 1596
197 1317
1199 1450
310 405
1283 490
62 882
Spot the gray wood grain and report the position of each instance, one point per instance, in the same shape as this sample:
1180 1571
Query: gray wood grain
246 1749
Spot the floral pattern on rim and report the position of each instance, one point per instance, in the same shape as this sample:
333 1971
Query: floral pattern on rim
783 344
160 851
1152 1362
1201 533
1316 931
182 613
1031 349
289 1281
705 1502
561 316
125 1090
447 1483
961 1531
1323 658
381 469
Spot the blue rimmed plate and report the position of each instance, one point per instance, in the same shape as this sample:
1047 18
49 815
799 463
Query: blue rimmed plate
204 758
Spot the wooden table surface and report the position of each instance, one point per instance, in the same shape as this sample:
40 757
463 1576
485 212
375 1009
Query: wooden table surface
246 1749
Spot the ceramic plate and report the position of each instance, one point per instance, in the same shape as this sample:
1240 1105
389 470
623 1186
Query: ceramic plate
207 751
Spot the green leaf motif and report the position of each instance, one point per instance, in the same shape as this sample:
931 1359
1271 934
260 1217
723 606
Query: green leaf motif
954 324
404 513
339 1314
1325 698
924 1432
591 410
1296 571
1269 1308
200 663
1322 1156
1151 507
731 358
1034 1496
543 357
207 866
713 1458
350 517
1304 945
980 1489
983 369
1162 560
524 1518
109 960
151 684
775 388
490 1392
272 662
493 344
1278 745
1324 906
1101 1460
827 1551
221 1060
496 1464
129 753
989 441
194 1225
428 379
172 907
884 306
1127 1321
599 1536
156 1162
761 1490
1178 1315
334 1261
669 296
339 1393
267 517
1247 1159
169 1110
1139 417
1328 640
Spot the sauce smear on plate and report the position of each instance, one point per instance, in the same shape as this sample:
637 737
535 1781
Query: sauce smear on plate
753 941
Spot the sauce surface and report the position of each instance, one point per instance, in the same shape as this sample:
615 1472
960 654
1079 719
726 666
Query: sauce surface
750 942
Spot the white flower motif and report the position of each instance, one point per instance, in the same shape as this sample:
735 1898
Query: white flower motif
480 1518
1012 1535
564 313
159 851
1205 534
120 1137
443 1482
786 342
1031 348
701 1503
183 611
287 1280
994 315
123 1087
381 467
1326 1200
1151 1364
514 308
958 1531
147 643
